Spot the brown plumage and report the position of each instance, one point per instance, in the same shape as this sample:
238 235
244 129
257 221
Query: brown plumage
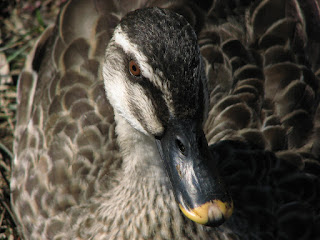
263 68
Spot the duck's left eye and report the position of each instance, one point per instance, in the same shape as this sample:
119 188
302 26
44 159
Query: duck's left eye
134 68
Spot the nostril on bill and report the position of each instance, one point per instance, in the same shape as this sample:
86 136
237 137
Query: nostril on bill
181 146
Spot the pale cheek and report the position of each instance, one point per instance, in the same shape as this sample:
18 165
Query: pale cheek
117 91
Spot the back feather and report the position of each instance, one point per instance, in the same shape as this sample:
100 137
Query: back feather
263 68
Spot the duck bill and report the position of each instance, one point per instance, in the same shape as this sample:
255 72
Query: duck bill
191 168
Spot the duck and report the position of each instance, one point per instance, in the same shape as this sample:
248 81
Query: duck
171 120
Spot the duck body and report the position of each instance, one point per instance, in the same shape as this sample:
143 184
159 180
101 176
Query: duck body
87 166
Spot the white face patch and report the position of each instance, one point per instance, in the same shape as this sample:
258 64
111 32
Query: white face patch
126 97
117 87
121 39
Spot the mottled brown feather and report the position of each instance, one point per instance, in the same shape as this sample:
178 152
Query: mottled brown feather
263 124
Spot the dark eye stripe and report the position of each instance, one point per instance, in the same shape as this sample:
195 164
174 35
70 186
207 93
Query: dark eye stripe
156 97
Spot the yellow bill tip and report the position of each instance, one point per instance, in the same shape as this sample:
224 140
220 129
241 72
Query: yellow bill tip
209 213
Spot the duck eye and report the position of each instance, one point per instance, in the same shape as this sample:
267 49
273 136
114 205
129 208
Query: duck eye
134 68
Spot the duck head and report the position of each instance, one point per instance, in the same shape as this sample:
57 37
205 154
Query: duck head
154 78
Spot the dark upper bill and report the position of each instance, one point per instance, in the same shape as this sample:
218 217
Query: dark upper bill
199 191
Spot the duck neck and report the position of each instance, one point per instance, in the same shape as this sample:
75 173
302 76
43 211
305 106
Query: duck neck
142 201
141 159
